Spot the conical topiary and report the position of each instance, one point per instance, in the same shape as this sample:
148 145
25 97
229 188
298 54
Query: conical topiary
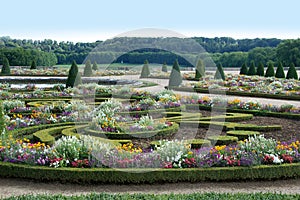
33 65
279 71
270 70
220 72
74 77
175 77
164 67
260 71
200 70
145 70
87 71
95 66
252 69
292 73
244 69
5 68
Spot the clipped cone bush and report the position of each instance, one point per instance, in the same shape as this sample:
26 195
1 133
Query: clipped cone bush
145 70
74 77
219 72
244 69
270 70
5 68
88 69
33 65
260 71
95 66
292 73
252 69
280 71
200 70
164 67
175 77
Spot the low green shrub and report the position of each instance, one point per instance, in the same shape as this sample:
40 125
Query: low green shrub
48 136
222 139
241 134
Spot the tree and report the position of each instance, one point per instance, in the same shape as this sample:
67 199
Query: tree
164 67
270 70
252 69
5 68
260 71
175 77
292 73
33 65
145 70
95 66
220 72
200 70
88 69
74 77
244 69
279 71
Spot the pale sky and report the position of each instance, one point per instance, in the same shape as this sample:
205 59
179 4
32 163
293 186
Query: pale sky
91 20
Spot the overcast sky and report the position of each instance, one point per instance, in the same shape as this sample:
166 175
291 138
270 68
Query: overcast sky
91 20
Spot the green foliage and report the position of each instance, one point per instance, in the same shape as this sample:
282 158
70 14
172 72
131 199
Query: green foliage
288 52
222 140
270 70
175 77
280 71
260 71
252 69
244 69
164 67
5 68
33 65
47 135
95 66
88 69
292 73
200 69
145 70
220 72
74 77
242 135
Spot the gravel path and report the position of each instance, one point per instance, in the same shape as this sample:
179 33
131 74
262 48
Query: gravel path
16 187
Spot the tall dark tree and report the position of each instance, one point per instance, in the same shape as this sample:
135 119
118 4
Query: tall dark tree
200 70
95 66
292 72
279 71
164 67
145 70
88 69
33 65
244 69
5 68
175 77
260 71
252 69
220 72
74 77
270 70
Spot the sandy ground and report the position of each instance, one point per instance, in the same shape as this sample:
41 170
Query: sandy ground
16 187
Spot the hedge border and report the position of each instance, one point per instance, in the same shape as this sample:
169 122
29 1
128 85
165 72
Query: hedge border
134 176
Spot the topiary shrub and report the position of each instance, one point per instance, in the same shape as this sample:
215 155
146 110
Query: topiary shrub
74 77
252 69
292 73
145 70
95 66
88 69
260 71
241 134
280 71
219 72
5 68
33 65
200 70
244 69
222 140
270 70
164 67
175 77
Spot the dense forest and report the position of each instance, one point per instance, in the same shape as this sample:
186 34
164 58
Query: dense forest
228 51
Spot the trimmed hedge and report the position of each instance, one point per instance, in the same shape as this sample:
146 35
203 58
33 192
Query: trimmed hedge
120 136
195 143
241 134
48 136
222 139
138 176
